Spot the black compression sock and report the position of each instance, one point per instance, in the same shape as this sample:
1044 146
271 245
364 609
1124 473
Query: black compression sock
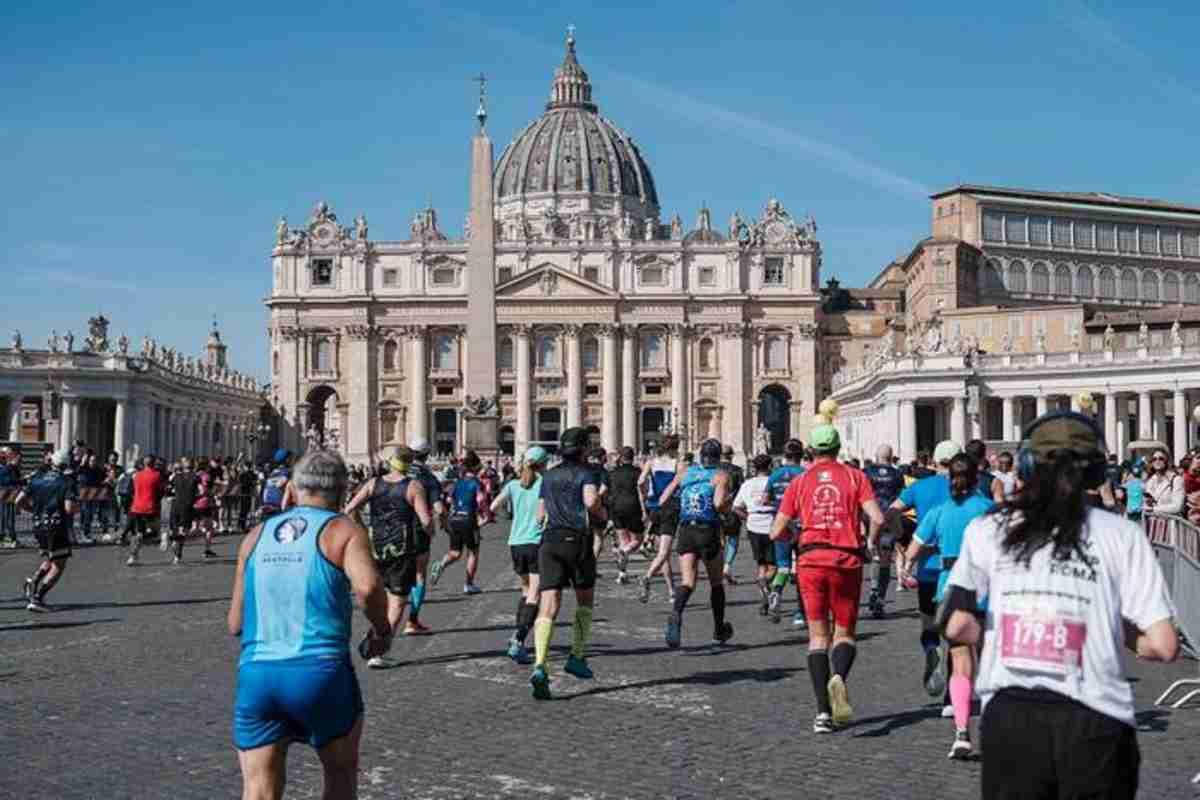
882 579
818 670
843 658
717 598
682 595
520 611
929 640
526 616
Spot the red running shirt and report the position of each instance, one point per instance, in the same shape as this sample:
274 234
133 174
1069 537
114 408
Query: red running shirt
827 502
147 492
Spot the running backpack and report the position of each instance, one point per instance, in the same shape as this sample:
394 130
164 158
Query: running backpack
273 488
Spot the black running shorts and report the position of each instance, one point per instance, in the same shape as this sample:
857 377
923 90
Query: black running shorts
399 572
464 533
700 540
925 594
763 549
525 558
566 559
664 521
628 519
731 524
54 543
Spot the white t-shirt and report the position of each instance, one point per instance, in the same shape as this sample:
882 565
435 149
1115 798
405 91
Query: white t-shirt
1057 624
1008 480
752 496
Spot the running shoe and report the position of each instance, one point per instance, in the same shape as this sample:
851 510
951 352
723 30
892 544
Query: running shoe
209 554
798 620
177 560
934 682
674 630
839 700
107 538
132 561
622 579
724 633
35 604
947 711
622 562
578 667
414 627
644 593
961 749
876 605
516 651
381 662
29 588
773 606
763 608
540 682
823 723
470 588
435 572
9 544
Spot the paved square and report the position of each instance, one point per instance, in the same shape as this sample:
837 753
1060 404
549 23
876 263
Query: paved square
126 691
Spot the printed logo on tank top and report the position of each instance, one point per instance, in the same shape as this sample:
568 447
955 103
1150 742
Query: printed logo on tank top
826 503
290 530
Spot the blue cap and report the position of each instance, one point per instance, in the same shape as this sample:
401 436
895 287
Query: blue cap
282 455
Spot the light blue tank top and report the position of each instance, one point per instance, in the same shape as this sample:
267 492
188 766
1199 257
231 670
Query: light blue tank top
696 496
296 603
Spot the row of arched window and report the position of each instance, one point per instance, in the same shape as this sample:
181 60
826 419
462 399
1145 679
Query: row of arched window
1104 283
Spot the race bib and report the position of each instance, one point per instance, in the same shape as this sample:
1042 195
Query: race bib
1042 640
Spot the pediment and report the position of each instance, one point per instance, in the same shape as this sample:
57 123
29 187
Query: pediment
551 283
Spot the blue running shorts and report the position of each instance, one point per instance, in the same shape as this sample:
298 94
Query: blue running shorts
310 700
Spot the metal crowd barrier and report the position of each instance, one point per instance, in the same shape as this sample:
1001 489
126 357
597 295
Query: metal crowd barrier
1176 542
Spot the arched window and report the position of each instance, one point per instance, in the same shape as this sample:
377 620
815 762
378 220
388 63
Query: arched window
1041 278
1170 288
776 352
1150 286
505 356
322 355
547 352
1129 285
390 352
991 276
1016 277
707 354
1062 280
654 351
590 353
1191 289
1083 281
445 352
1108 284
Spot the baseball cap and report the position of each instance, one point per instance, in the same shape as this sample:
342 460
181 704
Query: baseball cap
824 438
1065 431
281 455
535 455
574 440
401 458
946 450
418 444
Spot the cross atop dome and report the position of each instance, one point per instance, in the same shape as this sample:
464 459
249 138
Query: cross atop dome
571 88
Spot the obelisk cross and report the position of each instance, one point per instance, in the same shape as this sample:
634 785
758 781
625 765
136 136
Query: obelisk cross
481 112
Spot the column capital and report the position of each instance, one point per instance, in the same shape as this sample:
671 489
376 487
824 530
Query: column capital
414 333
608 331
522 329
572 329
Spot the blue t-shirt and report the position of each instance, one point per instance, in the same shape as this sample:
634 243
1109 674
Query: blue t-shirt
924 496
887 481
1135 494
696 496
464 497
943 528
779 480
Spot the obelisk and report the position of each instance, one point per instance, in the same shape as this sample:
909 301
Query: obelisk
481 412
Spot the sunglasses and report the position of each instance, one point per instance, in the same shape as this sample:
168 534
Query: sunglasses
1158 458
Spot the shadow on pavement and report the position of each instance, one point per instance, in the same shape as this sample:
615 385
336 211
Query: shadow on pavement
710 678
186 602
892 722
1153 720
34 626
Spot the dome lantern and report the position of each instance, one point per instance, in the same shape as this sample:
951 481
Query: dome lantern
571 87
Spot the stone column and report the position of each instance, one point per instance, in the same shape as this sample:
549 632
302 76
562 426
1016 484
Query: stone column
908 429
418 358
958 428
1041 404
14 418
629 386
679 377
609 438
66 421
1008 407
356 443
120 425
1145 418
524 429
1112 403
574 377
1180 415
1158 405
732 387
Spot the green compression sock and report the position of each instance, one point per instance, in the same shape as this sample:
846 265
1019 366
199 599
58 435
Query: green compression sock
581 633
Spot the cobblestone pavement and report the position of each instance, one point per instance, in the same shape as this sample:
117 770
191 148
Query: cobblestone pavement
126 691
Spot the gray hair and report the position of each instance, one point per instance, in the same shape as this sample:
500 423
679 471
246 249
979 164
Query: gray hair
883 454
322 473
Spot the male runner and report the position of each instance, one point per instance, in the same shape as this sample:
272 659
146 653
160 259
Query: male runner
828 502
145 510
183 485
463 524
731 523
433 496
703 496
275 494
627 510
657 474
777 484
53 499
397 501
752 506
887 482
597 459
569 494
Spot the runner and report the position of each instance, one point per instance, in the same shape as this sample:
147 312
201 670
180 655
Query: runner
663 518
145 510
627 509
53 499
925 495
433 496
1067 585
397 502
183 510
703 496
524 541
569 493
887 482
597 459
753 506
942 530
275 493
463 524
777 484
297 575
731 523
827 504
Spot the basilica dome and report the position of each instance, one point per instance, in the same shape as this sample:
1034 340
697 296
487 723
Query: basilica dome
571 150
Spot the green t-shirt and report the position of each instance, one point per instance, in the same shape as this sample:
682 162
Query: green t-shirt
525 528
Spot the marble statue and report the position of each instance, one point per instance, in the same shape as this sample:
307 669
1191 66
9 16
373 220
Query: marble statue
1039 342
360 227
735 225
69 340
1006 343
16 340
1143 335
648 229
281 231
1110 338
1176 335
762 439
625 227
123 344
53 342
676 228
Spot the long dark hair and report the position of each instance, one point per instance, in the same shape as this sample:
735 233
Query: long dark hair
1053 507
964 477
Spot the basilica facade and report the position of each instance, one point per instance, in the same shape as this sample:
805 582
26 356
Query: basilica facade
608 313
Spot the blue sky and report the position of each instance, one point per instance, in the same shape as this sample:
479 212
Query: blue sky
146 153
